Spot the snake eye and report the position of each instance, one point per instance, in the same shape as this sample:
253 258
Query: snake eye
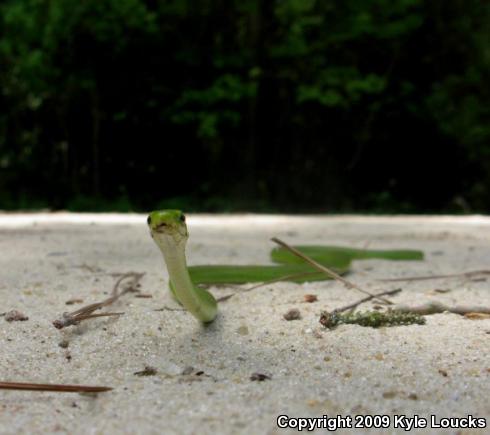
148 221
182 218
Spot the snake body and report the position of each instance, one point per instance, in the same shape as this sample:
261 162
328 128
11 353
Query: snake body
169 231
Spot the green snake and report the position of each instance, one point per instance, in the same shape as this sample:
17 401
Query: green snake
169 231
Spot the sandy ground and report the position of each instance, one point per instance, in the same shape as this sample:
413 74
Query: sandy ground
202 383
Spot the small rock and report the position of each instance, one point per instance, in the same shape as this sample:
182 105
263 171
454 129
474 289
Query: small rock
188 370
15 316
64 344
292 314
148 371
317 333
310 298
73 301
259 377
442 290
242 330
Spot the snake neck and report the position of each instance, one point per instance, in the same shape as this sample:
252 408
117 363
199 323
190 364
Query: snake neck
174 255
177 270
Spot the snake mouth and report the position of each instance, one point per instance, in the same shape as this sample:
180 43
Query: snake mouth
160 228
169 231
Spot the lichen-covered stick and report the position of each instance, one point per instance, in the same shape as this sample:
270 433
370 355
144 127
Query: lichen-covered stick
169 231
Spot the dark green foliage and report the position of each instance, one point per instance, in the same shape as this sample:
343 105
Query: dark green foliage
372 319
222 105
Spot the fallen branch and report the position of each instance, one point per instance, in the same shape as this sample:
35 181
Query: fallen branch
328 271
438 307
62 388
427 277
86 312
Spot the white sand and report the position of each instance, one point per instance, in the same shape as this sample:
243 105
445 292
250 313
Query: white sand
441 368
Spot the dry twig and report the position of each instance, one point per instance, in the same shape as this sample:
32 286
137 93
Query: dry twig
367 298
469 274
87 312
262 284
438 307
328 271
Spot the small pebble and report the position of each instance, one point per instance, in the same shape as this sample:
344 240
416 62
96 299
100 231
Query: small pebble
15 316
74 301
148 371
64 344
310 298
242 330
188 370
260 377
292 314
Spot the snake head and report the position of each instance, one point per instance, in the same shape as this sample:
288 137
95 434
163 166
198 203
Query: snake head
168 223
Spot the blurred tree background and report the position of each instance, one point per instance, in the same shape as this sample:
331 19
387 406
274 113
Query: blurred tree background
265 105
